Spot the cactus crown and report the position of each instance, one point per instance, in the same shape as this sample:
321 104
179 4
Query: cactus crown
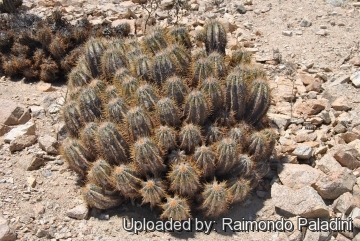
171 130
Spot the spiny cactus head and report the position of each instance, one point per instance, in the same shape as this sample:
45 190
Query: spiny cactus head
78 78
181 36
201 70
213 134
90 104
142 66
88 136
153 191
126 83
184 179
72 117
177 156
122 30
49 70
99 198
116 110
180 58
112 144
168 112
163 68
258 101
228 152
94 49
215 37
216 198
165 137
78 158
217 63
239 57
111 60
205 159
110 92
147 157
155 41
239 189
147 96
176 208
175 88
126 181
235 94
196 109
100 173
138 123
190 137
213 91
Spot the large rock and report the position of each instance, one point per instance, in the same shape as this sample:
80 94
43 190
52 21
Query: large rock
303 152
33 162
310 107
49 144
26 129
21 142
328 163
343 203
335 183
282 121
304 202
348 156
78 212
355 78
6 234
297 176
12 113
341 104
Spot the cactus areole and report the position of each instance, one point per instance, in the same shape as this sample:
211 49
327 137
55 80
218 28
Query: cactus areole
149 122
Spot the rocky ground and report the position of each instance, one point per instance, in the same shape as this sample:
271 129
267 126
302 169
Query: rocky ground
310 50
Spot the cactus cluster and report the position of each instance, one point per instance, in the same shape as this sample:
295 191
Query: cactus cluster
46 49
180 132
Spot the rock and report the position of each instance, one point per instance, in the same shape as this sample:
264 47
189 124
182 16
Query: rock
20 142
287 33
49 144
355 144
328 164
37 112
4 129
31 181
303 152
310 107
26 129
343 203
12 113
282 121
349 136
341 80
33 162
305 23
166 4
311 236
321 32
341 104
45 87
355 61
355 78
348 156
78 212
305 79
297 176
5 233
241 9
131 22
335 183
335 3
304 202
304 135
315 85
340 128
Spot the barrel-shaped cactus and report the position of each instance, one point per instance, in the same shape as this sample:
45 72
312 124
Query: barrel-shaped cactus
165 128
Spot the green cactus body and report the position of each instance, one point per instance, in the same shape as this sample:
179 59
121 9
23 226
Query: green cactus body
147 157
235 96
100 173
202 69
228 152
78 158
213 134
216 198
72 118
245 165
111 92
48 70
94 49
119 44
205 159
111 60
152 191
147 96
88 136
168 112
180 58
213 92
176 156
58 47
90 104
126 181
175 208
142 67
239 189
99 198
240 57
112 144
238 135
215 37
78 78
163 67
184 179
262 168
181 36
126 84
155 42
176 89
190 137
139 123
98 86
196 108
165 138
217 63
117 110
